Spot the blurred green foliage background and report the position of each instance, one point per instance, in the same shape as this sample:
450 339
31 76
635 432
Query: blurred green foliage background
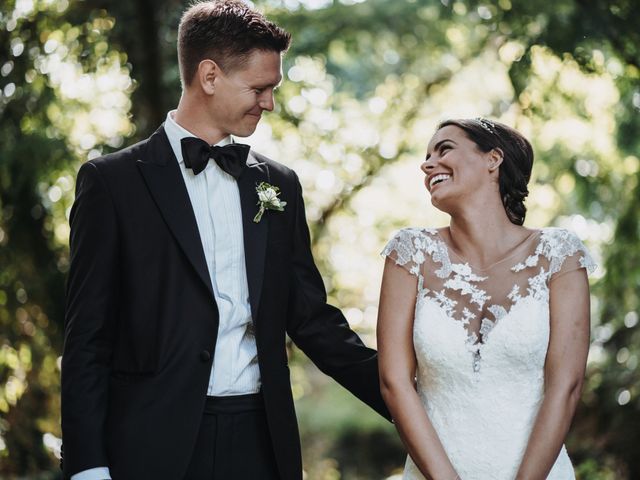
366 82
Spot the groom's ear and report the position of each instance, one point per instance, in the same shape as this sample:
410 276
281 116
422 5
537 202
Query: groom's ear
206 74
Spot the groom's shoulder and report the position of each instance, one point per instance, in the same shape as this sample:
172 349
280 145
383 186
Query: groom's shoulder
275 167
156 145
124 158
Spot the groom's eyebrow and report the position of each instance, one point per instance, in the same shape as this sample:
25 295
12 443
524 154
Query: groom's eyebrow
270 84
438 145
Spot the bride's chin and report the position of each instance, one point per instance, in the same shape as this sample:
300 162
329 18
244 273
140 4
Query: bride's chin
441 204
436 204
436 200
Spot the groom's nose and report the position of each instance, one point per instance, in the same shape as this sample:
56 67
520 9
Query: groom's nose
266 101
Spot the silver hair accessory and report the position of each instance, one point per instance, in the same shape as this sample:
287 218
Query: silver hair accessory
488 125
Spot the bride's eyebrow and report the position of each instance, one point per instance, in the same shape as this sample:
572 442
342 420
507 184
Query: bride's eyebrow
438 145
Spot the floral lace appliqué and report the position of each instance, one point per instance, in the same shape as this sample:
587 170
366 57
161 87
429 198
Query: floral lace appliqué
462 294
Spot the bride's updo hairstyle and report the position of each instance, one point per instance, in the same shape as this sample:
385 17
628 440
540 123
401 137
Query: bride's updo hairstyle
515 170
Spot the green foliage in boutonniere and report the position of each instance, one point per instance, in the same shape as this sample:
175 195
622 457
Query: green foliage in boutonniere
268 200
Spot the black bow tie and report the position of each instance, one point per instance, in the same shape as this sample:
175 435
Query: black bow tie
231 158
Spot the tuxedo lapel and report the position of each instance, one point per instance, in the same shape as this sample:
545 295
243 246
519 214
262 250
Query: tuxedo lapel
254 234
162 175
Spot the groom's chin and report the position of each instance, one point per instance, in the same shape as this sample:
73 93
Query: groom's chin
243 133
248 126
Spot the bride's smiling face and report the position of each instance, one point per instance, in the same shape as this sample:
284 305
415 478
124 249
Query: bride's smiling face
455 168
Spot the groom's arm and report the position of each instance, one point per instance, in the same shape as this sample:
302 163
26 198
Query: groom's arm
320 330
89 323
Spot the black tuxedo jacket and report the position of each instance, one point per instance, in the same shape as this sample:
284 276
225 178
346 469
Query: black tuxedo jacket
142 320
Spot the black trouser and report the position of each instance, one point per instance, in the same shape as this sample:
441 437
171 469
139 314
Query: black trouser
233 442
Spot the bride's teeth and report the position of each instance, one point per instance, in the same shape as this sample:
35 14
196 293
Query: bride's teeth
437 178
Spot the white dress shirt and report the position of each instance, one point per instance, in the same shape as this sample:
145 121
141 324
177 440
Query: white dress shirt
215 200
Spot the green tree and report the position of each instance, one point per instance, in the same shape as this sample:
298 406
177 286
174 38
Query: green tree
366 82
54 61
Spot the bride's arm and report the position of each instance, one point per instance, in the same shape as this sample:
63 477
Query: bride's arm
564 372
397 370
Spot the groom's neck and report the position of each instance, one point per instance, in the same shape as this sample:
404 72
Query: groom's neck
192 116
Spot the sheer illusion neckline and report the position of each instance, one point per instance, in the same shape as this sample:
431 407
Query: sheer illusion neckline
480 300
511 253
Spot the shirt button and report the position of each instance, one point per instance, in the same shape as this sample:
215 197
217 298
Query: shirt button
205 356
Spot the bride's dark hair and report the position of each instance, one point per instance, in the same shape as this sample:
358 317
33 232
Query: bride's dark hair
515 170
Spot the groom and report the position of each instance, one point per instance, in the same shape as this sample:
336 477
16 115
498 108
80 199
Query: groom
180 295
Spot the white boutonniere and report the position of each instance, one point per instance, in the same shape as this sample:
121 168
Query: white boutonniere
268 199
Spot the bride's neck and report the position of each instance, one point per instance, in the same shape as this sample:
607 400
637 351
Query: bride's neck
482 238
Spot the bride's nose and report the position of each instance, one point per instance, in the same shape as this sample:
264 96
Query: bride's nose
427 166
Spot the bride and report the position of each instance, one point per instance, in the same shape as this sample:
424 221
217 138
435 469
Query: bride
483 326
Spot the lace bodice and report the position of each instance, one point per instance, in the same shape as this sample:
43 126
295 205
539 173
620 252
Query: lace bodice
480 338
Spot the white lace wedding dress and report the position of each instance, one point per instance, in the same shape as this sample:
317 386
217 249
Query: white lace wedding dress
481 338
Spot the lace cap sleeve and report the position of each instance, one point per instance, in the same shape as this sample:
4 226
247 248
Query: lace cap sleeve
567 253
408 248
